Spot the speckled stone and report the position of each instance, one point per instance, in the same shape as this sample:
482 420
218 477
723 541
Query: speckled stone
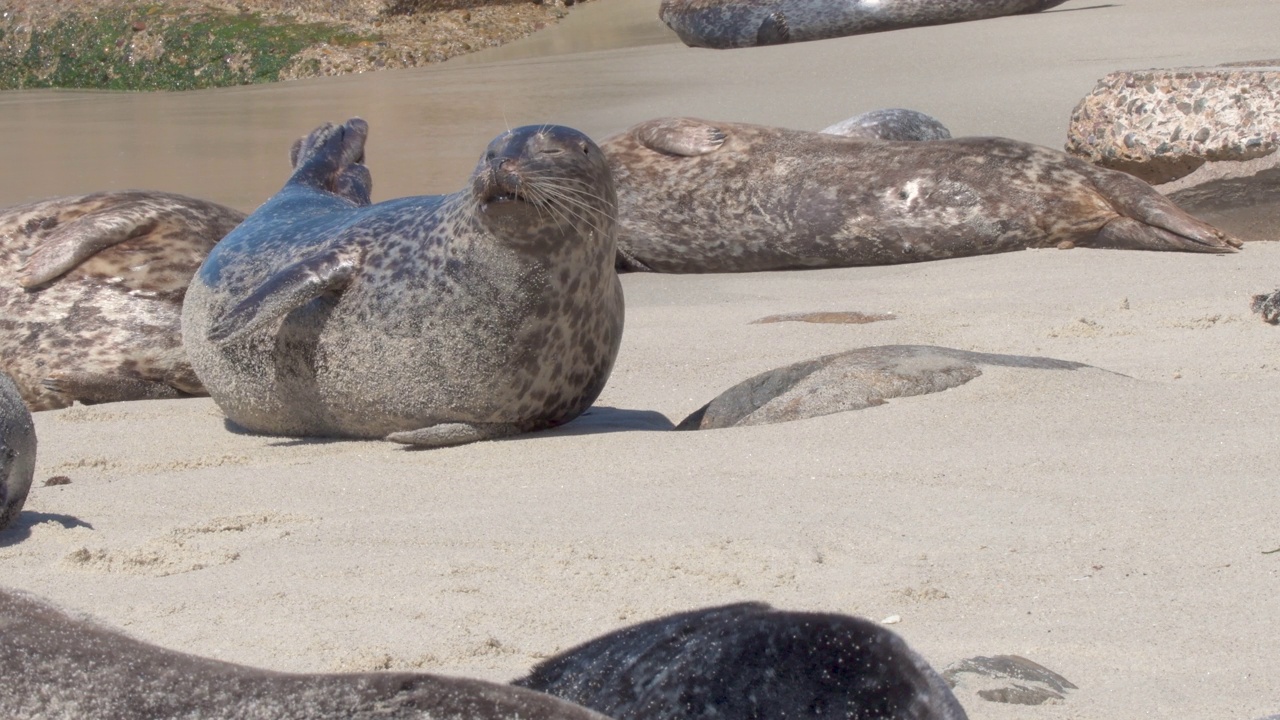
1163 124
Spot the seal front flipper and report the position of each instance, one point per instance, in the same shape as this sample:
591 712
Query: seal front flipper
90 388
285 291
331 159
680 136
447 434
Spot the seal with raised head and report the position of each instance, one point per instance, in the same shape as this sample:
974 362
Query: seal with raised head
749 661
91 291
696 196
430 320
17 451
57 665
725 24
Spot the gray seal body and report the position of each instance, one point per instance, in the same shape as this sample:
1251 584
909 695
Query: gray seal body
61 667
701 196
17 451
745 23
433 320
749 661
91 290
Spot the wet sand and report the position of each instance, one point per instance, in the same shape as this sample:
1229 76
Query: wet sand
1110 524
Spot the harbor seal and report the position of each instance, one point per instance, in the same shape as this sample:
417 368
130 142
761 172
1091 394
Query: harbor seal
17 451
431 320
725 24
697 196
57 665
91 293
748 661
897 124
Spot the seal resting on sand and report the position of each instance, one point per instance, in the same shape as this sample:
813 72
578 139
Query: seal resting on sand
749 661
91 293
17 452
56 665
431 320
744 23
697 196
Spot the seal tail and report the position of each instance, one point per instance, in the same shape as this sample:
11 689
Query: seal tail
1150 221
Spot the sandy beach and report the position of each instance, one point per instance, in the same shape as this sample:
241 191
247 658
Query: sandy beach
1112 524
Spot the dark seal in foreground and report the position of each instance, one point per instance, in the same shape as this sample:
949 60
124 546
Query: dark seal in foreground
744 23
432 320
91 291
696 196
749 661
17 453
56 665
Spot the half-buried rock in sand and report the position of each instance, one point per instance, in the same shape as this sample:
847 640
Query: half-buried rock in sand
745 23
56 665
17 451
431 320
851 380
91 291
696 196
749 661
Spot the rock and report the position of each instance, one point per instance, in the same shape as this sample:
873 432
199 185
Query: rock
17 451
1161 125
1268 306
850 380
1007 679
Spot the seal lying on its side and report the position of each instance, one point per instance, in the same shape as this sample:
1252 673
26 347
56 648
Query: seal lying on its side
746 23
891 124
17 451
433 320
91 293
56 665
749 661
696 196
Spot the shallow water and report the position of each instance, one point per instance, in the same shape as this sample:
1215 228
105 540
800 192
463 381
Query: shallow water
610 64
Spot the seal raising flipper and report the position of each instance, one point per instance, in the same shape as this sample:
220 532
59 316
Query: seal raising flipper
748 661
92 286
696 196
331 159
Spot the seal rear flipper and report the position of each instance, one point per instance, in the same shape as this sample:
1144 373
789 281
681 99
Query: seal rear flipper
447 434
90 388
1150 221
285 291
680 136
331 159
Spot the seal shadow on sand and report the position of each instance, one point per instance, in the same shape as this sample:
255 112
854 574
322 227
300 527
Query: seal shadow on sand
1089 7
27 519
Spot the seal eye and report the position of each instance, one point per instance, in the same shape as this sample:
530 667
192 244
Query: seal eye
586 149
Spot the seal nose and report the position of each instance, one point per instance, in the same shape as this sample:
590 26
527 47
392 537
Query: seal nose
505 178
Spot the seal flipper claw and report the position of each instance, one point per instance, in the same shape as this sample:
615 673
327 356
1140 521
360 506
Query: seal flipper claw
325 159
448 434
90 388
680 136
286 291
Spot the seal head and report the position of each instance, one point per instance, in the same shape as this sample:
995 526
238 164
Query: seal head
17 451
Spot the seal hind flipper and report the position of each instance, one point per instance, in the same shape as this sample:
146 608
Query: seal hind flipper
331 158
287 290
680 136
449 434
90 388
1150 221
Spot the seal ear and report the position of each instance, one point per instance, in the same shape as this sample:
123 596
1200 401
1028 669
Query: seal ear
285 291
680 136
68 245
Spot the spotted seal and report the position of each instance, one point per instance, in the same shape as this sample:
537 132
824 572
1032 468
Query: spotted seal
57 665
891 124
749 661
698 196
431 320
17 451
91 293
725 24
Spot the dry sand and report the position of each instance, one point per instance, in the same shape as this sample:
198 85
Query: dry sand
1110 524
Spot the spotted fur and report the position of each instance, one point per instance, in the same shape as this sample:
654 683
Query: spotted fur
17 451
91 291
430 320
695 196
747 23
